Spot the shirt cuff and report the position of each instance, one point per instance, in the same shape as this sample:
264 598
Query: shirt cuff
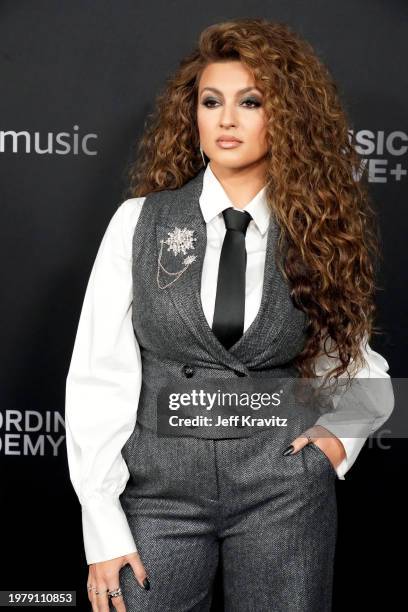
106 530
352 445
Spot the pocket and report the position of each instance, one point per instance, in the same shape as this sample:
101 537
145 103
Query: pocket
320 454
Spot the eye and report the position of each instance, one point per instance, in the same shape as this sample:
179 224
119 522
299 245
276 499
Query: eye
209 102
253 101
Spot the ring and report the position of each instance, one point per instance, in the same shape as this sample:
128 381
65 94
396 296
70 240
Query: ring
309 438
89 587
115 592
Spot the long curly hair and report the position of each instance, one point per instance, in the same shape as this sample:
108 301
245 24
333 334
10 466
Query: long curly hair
329 238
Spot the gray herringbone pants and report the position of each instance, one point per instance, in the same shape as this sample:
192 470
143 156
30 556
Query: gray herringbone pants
269 519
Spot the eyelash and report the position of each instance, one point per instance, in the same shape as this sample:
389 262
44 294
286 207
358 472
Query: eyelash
251 100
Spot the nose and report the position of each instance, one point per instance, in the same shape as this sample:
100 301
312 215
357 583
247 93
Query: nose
227 117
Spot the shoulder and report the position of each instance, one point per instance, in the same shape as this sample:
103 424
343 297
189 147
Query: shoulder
130 210
126 218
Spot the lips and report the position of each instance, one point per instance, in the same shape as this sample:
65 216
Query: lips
228 139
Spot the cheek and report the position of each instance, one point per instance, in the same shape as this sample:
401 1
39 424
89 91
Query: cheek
256 129
261 134
205 125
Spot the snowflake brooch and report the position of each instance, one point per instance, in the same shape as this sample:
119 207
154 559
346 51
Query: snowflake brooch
178 241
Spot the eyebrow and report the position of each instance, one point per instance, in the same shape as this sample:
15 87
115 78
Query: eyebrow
241 91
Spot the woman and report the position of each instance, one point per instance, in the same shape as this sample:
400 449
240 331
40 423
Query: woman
190 283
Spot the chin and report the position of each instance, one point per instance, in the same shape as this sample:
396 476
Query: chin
229 161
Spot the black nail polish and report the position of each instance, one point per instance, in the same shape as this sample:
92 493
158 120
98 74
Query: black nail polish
288 450
146 584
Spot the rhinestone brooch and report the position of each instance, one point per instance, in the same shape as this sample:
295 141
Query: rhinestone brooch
178 241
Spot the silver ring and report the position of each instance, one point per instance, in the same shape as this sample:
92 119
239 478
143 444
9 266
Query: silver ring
115 592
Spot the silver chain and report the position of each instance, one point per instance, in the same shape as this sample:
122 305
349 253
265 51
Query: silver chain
177 274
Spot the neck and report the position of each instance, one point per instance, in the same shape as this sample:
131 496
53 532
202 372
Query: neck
240 184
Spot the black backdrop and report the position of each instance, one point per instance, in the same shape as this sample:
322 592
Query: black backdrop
91 70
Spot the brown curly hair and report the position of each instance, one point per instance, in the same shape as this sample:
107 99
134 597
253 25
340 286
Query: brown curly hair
328 231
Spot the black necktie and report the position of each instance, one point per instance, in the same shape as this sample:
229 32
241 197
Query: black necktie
229 311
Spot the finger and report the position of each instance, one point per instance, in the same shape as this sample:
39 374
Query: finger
297 444
304 439
139 570
90 595
94 600
118 603
92 583
89 583
102 597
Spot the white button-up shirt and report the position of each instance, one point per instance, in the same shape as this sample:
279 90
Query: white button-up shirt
105 373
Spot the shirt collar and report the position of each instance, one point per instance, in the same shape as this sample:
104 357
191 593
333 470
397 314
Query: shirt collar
213 200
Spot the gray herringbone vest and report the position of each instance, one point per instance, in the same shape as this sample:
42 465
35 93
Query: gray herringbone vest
175 339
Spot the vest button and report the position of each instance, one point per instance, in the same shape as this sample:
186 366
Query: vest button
188 370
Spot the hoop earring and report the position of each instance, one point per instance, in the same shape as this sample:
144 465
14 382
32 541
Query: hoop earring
202 156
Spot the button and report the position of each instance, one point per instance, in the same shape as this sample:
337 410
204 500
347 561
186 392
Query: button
188 370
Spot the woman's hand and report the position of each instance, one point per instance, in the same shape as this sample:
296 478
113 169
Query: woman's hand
325 440
104 577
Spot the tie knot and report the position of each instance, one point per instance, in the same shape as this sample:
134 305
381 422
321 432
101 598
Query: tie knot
236 219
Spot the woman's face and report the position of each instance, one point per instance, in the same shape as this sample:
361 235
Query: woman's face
230 104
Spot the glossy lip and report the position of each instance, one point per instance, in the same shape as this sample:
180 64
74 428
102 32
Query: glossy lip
228 139
228 144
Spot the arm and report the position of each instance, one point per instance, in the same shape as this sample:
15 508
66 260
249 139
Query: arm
102 391
375 400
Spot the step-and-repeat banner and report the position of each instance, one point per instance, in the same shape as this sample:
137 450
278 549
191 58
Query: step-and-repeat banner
78 81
